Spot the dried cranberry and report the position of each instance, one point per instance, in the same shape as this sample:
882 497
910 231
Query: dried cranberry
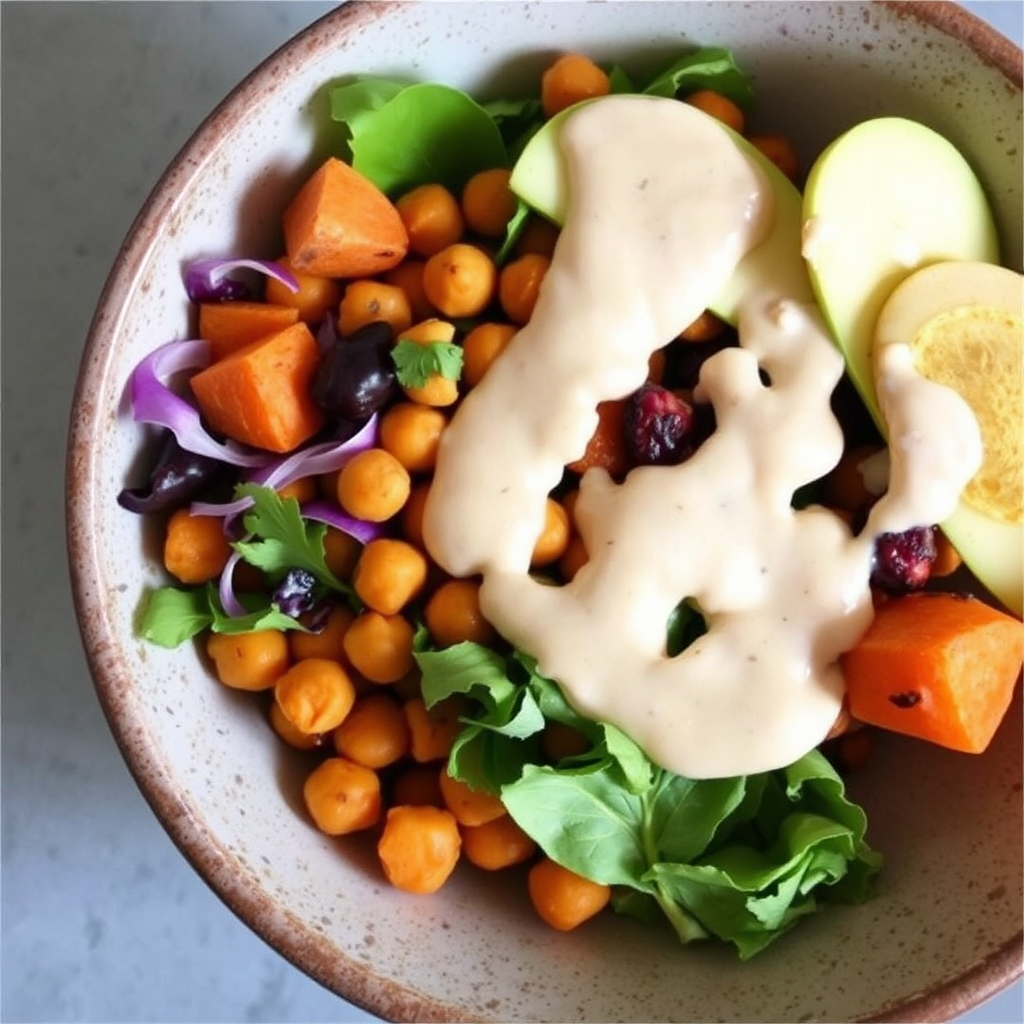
903 561
296 593
660 427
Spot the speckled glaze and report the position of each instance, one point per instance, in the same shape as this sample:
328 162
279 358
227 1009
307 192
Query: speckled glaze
945 929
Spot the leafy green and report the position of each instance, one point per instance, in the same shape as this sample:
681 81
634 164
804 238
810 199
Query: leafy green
685 624
280 539
712 67
619 80
356 101
415 363
517 120
277 539
172 615
741 858
403 136
513 230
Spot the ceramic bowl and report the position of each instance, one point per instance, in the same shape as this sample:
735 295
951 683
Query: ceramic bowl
943 932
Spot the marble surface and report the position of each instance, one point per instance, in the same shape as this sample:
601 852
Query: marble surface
102 918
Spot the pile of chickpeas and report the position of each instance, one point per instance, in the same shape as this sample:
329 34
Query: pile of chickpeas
350 692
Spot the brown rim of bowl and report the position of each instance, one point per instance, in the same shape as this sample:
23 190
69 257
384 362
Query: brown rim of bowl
184 823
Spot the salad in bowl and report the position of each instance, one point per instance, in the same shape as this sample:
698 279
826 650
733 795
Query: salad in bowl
585 482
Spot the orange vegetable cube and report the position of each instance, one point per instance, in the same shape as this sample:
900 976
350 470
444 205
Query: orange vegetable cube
228 326
261 394
941 667
341 225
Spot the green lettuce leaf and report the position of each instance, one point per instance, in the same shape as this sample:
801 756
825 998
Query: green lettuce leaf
709 68
352 103
741 859
417 134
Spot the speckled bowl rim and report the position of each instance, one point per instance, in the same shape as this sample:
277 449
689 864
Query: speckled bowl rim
308 951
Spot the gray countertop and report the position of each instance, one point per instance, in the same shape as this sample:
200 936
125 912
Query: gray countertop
103 919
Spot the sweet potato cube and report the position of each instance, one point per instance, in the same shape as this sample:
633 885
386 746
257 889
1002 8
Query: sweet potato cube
261 393
228 326
341 225
941 667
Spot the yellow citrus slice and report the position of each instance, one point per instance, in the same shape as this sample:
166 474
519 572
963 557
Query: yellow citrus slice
977 351
964 323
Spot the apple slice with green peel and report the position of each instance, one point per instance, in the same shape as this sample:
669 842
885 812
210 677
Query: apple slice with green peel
540 180
888 198
964 323
885 198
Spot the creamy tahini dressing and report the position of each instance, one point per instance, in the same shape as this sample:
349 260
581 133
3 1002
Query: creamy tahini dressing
662 207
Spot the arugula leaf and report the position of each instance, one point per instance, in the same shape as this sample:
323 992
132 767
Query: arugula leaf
417 135
488 759
280 539
415 363
712 67
261 613
172 615
584 819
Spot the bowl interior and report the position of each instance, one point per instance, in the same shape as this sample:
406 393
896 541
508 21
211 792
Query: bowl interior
944 929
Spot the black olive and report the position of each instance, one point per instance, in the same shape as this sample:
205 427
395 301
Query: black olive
357 375
177 477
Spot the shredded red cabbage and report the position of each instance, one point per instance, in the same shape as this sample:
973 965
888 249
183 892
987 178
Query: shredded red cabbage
334 515
325 457
226 591
154 402
208 280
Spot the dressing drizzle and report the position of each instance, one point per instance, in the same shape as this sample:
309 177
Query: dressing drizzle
662 207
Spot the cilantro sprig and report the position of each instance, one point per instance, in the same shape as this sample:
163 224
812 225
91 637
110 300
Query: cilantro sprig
280 539
277 540
416 363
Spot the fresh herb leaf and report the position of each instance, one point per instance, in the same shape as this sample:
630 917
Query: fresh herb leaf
709 68
280 539
261 613
415 363
420 134
172 615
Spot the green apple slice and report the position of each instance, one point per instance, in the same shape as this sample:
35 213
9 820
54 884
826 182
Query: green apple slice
885 198
541 180
970 315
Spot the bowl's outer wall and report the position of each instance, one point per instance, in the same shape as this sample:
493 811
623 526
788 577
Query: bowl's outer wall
948 911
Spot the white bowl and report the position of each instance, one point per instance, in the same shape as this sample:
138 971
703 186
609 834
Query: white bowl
943 932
